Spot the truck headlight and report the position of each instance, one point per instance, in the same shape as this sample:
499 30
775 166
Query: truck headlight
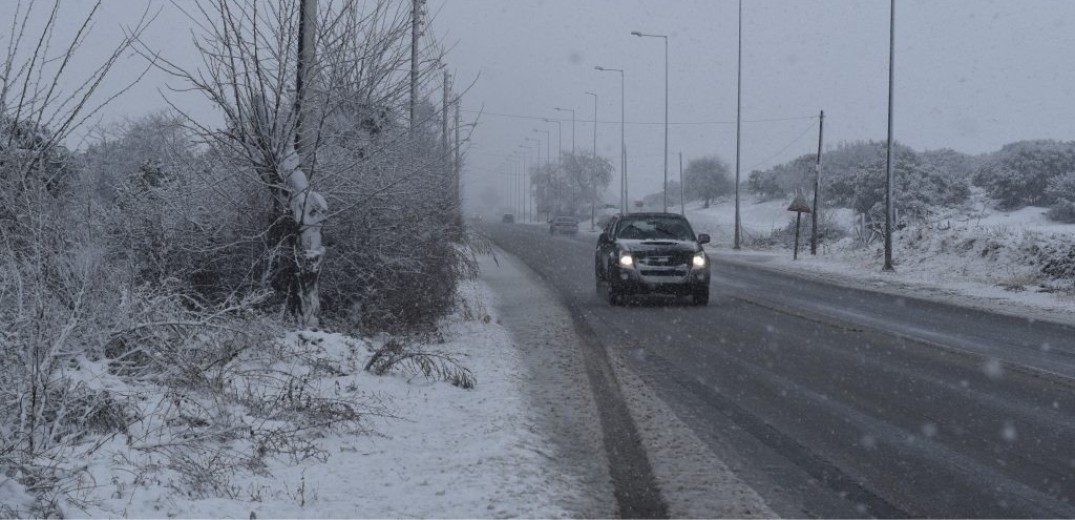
626 260
699 260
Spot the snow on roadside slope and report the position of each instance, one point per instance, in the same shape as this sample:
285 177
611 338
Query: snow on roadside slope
449 453
974 255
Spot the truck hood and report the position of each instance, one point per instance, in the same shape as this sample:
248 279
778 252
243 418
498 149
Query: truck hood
658 244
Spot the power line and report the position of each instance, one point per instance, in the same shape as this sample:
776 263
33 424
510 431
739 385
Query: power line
732 122
784 149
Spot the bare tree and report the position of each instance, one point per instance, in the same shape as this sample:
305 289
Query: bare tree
351 92
49 274
250 57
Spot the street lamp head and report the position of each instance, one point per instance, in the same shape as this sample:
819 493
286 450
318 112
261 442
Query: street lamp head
598 67
636 33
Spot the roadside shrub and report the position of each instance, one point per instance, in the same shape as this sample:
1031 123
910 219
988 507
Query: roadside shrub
1020 173
1062 190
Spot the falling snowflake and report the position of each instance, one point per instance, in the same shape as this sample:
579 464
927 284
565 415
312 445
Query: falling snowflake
993 368
1008 433
868 442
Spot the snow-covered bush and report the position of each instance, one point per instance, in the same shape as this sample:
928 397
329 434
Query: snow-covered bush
1062 190
783 180
853 176
396 235
1020 173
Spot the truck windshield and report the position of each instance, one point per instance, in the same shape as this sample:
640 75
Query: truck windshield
655 228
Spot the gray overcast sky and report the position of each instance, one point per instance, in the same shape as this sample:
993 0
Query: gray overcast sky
970 74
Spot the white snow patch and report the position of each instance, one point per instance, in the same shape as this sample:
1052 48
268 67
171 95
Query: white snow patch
973 255
15 502
449 452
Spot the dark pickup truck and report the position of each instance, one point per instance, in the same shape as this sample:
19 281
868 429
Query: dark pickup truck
651 253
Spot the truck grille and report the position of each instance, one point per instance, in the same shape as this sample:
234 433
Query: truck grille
663 263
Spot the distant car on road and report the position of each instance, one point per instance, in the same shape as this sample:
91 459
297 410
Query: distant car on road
651 253
508 218
564 224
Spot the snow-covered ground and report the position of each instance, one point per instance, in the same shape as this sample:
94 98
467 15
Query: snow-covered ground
444 452
525 442
973 255
497 450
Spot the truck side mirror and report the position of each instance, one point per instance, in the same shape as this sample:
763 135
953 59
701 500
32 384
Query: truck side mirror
703 238
602 238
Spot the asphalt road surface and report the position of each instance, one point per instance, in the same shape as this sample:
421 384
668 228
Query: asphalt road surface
836 402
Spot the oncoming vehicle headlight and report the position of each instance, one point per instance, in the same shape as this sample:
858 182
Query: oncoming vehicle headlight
699 260
626 260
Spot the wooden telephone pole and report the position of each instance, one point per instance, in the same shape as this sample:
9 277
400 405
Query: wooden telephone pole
817 185
416 31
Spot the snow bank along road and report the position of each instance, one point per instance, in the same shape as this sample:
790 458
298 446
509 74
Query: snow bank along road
836 402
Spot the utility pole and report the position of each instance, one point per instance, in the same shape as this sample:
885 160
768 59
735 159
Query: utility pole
817 184
888 152
308 244
738 123
416 22
304 66
447 153
458 172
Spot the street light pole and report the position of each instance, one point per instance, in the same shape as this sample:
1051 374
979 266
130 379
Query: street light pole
888 152
593 176
559 158
738 125
623 148
572 126
548 143
548 162
559 139
527 180
664 191
524 190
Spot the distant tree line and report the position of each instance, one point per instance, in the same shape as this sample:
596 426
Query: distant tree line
571 187
1025 173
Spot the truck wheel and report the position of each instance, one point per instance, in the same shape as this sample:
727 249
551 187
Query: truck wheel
615 297
700 296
